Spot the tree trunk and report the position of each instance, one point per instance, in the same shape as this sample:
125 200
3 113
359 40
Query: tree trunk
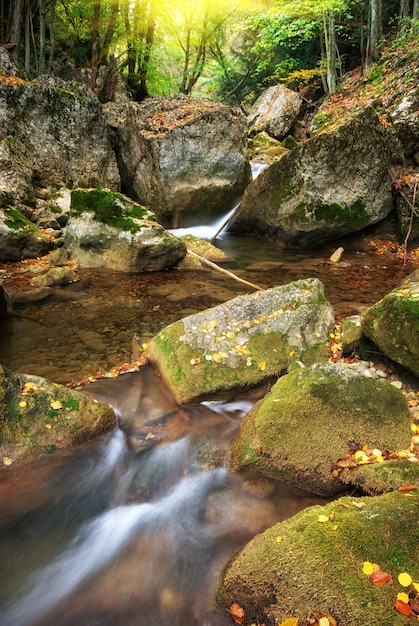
27 39
42 45
404 8
51 35
143 70
330 42
376 28
415 11
16 21
95 43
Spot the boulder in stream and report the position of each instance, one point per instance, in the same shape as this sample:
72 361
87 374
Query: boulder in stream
336 183
298 432
314 562
274 111
39 417
393 324
185 158
244 341
107 229
20 238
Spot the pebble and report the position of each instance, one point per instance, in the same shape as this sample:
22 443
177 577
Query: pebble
397 383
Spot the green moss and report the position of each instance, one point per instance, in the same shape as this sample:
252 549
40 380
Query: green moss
74 428
355 213
16 221
109 208
71 403
50 448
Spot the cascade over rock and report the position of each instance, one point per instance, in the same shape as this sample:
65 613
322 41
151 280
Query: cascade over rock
245 340
107 229
51 136
332 185
182 157
274 111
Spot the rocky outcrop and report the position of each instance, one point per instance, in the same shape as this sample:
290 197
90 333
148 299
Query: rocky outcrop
280 438
313 562
107 229
405 118
51 136
393 323
245 340
19 238
336 183
184 158
275 111
38 417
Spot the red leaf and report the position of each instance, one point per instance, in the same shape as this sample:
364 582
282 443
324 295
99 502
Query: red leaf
402 607
379 578
237 613
407 488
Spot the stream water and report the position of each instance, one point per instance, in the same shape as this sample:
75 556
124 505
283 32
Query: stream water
113 535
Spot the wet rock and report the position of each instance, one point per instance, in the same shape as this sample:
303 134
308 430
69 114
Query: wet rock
275 111
177 155
245 340
39 417
55 276
107 229
336 183
283 436
19 238
351 333
58 258
406 122
392 324
302 565
5 302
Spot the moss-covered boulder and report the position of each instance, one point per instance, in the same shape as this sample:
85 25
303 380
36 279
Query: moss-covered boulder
274 111
107 229
39 417
245 340
298 432
378 478
314 562
393 324
337 183
19 238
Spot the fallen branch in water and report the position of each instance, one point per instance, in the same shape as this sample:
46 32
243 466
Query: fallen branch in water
222 270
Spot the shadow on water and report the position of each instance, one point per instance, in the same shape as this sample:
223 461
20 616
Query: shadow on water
133 529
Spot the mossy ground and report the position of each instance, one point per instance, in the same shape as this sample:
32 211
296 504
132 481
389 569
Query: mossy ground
303 565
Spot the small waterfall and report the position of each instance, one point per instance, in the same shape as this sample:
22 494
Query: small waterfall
212 231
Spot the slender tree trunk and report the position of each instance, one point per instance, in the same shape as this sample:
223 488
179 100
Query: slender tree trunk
95 43
27 39
415 11
404 8
149 39
16 21
323 59
376 28
51 35
104 53
330 43
42 45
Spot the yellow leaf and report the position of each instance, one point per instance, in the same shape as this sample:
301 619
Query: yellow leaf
7 460
22 404
367 568
262 366
217 357
416 586
359 505
279 539
404 579
48 426
403 597
248 361
324 621
230 335
323 518
56 404
335 527
290 621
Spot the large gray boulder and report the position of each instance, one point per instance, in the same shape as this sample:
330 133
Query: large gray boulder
184 158
244 341
107 229
274 111
51 136
405 117
335 184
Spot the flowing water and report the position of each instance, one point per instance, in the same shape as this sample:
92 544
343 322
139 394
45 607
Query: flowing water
119 532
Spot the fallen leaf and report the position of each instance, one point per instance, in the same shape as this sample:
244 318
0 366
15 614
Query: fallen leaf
7 460
403 597
56 404
237 613
323 518
380 578
404 579
402 607
22 404
359 505
367 568
290 621
407 488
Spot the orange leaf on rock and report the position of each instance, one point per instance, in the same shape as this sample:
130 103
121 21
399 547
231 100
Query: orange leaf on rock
237 613
290 621
407 488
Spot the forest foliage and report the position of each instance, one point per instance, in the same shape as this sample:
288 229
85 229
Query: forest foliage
228 50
